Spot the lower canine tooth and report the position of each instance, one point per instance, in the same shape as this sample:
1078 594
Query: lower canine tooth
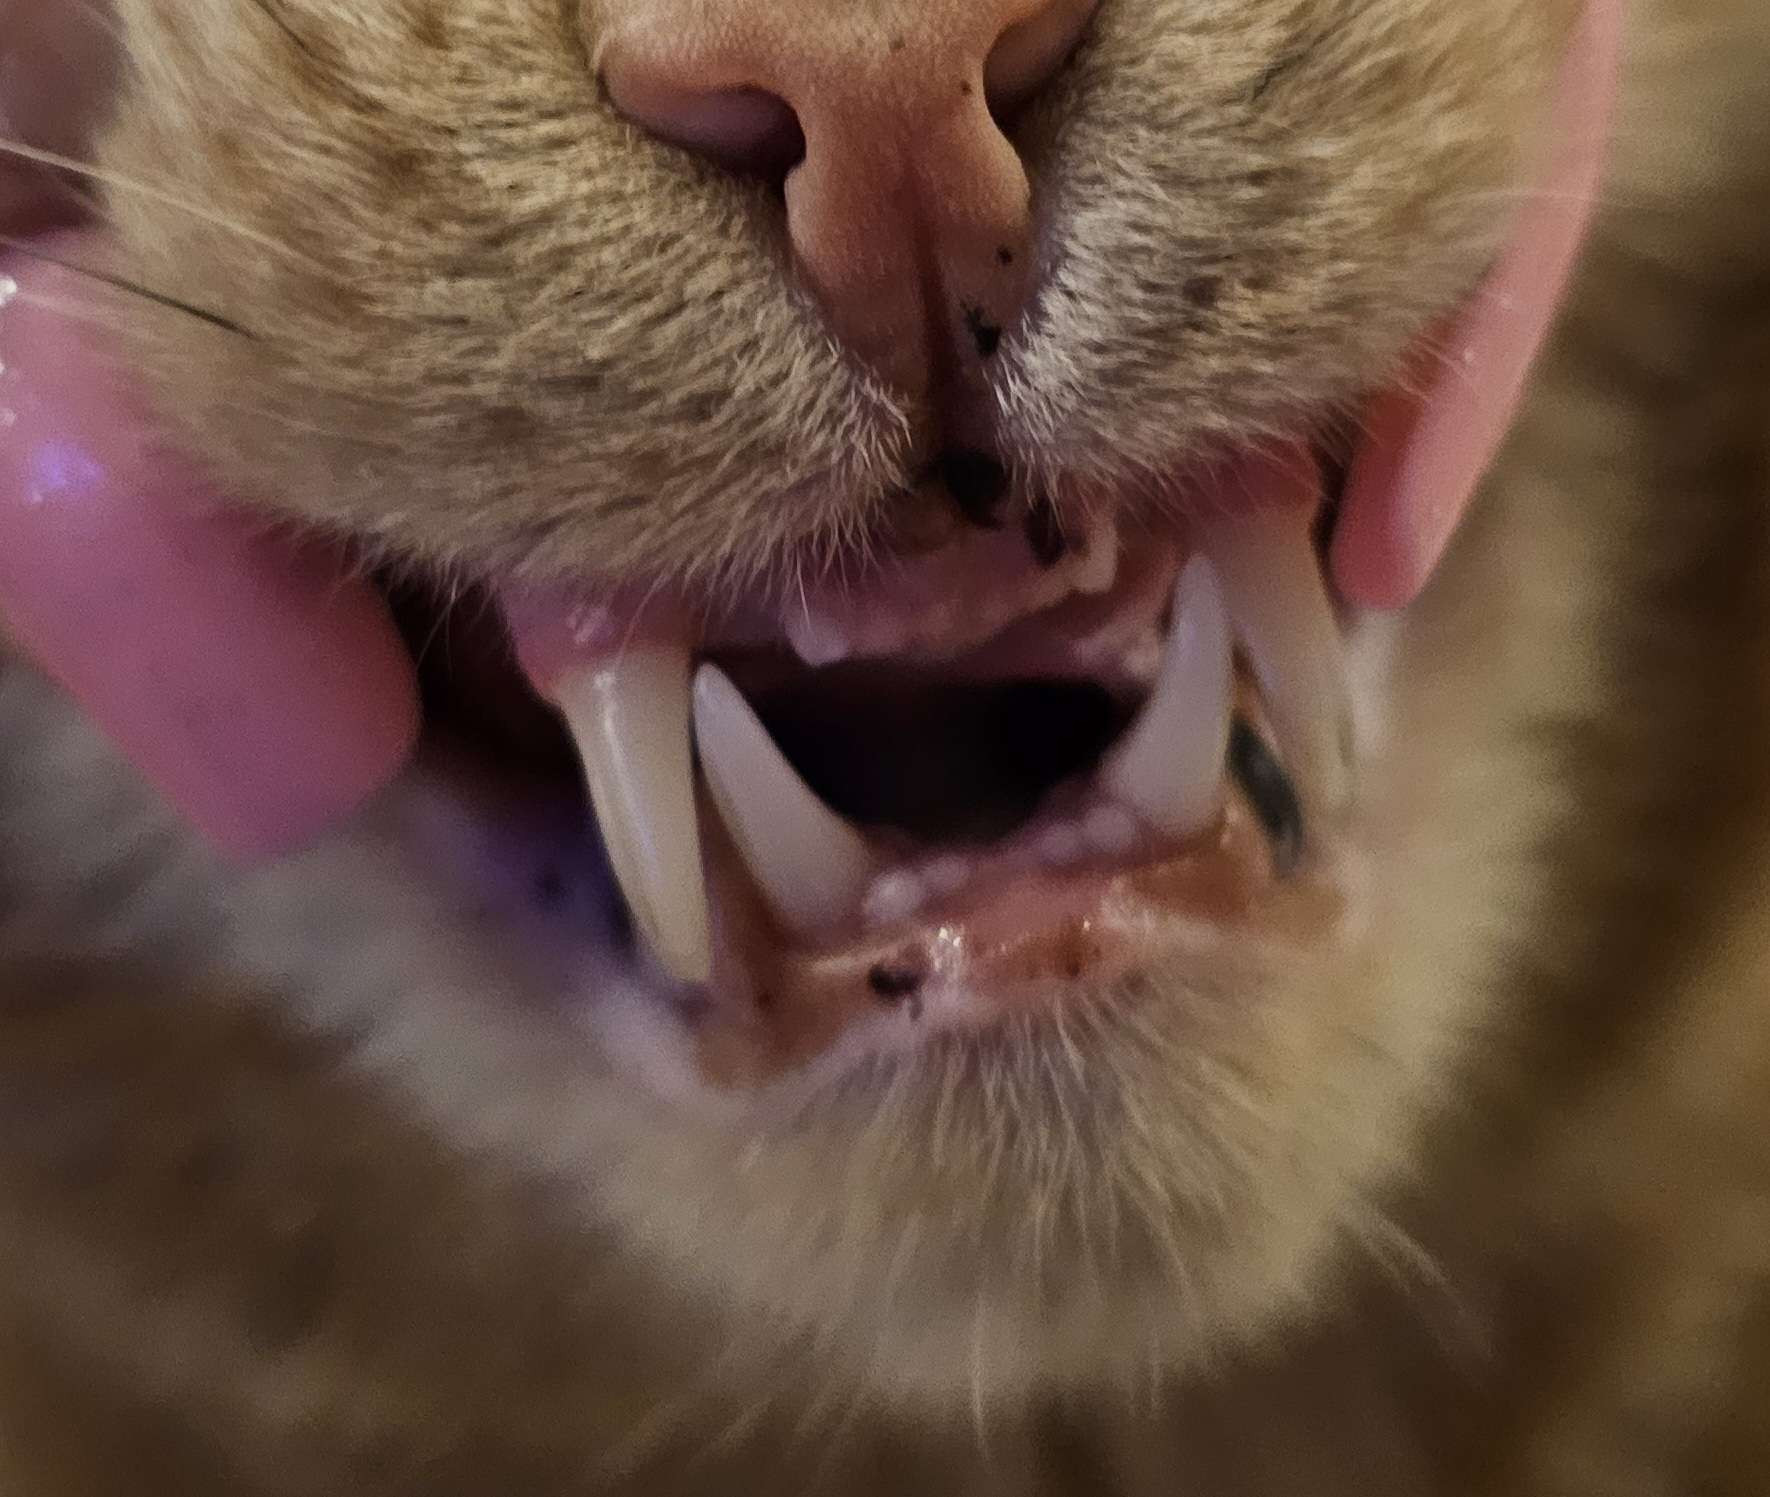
1273 587
628 715
811 865
1170 766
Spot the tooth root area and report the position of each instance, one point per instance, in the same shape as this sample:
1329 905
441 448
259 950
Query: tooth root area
811 866
1277 598
1169 767
628 717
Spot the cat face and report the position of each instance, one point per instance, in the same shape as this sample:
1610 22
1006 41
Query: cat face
978 442
456 258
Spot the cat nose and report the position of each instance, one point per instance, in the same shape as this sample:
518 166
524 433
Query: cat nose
909 210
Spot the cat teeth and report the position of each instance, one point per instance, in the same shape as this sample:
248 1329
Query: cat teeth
1278 603
629 716
1254 580
1169 766
811 866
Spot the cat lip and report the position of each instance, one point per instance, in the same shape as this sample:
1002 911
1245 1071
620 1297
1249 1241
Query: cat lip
1014 939
744 880
806 912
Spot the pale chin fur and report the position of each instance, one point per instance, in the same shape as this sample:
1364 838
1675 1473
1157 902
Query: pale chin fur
785 1216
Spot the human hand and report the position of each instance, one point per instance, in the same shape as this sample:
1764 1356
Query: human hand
262 691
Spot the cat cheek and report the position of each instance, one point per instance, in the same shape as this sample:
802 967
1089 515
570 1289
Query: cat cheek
261 693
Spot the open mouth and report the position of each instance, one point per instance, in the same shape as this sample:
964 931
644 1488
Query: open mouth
1043 753
967 780
1002 768
987 771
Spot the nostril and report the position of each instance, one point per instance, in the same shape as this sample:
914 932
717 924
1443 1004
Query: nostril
745 130
1030 53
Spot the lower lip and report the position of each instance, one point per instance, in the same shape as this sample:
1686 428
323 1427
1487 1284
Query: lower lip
994 951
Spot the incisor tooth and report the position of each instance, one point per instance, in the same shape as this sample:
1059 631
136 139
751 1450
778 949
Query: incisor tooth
1170 766
811 865
1272 586
628 715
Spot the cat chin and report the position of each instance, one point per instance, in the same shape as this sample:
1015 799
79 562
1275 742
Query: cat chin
1094 1099
930 1210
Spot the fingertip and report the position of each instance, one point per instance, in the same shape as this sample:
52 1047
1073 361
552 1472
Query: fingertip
261 689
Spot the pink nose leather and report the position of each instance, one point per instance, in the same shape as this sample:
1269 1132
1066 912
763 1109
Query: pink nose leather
909 212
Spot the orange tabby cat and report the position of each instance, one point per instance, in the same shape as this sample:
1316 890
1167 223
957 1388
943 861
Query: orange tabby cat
1097 1009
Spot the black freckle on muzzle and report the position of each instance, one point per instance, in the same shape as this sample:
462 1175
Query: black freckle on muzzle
986 336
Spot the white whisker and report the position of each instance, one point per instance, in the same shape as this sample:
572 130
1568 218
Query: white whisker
22 152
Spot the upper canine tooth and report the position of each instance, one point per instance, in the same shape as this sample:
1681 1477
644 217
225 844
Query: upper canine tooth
628 714
1169 767
1273 588
811 865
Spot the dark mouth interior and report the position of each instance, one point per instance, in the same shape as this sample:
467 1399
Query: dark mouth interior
473 693
922 752
940 760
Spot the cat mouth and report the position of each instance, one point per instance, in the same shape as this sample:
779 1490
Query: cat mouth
1034 761
964 782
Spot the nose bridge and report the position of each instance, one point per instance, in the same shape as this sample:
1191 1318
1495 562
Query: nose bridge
909 215
899 53
789 46
882 89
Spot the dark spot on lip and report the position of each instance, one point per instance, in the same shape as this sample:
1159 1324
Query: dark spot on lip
898 43
965 88
977 483
985 334
1044 532
1271 793
892 982
1004 256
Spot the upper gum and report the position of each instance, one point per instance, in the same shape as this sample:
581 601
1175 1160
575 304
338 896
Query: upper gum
947 601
